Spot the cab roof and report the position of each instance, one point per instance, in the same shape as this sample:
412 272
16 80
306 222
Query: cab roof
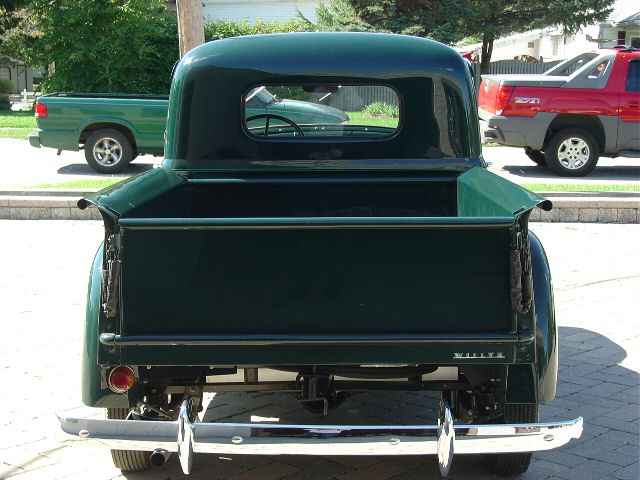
328 53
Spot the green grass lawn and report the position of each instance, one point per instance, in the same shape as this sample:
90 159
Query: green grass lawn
580 187
535 187
89 183
359 118
16 124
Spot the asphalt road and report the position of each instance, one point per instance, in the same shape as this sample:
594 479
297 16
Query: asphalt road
44 267
22 166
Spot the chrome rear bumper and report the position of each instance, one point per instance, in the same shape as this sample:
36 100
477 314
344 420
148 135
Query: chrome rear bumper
186 437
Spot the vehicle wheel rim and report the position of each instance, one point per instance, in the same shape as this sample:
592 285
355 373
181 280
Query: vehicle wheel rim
573 153
107 152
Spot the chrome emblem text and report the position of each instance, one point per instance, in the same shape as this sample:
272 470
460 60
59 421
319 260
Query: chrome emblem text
532 100
464 355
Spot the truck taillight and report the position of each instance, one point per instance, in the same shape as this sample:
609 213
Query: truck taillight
502 98
41 110
121 379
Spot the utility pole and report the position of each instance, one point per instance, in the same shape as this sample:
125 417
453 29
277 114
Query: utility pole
190 24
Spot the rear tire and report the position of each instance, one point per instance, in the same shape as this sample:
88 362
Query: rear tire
128 460
536 156
515 463
572 152
108 151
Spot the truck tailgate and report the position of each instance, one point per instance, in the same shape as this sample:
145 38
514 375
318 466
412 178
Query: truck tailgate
334 276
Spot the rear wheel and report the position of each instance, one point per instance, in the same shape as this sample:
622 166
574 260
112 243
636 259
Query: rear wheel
515 463
536 156
128 460
108 151
572 152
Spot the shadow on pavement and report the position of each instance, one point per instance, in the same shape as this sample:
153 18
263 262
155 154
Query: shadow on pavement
84 169
585 357
621 173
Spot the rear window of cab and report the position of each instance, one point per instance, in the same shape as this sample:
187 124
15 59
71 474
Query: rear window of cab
274 112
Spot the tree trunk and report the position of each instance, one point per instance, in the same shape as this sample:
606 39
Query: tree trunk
487 50
190 24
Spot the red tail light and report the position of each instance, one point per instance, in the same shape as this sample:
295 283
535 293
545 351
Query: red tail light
121 379
502 98
41 110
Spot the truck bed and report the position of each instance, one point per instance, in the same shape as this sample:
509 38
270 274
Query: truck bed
236 261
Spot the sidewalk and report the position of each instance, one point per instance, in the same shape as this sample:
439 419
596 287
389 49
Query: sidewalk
24 166
567 208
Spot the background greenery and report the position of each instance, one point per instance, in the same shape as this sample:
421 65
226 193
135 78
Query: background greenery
131 45
454 21
16 124
106 46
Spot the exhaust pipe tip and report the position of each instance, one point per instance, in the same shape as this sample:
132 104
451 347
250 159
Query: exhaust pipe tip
159 457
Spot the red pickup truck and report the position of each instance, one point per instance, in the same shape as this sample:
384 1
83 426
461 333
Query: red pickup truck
579 110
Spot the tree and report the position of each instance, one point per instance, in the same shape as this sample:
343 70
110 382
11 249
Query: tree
450 22
9 17
491 19
190 24
97 45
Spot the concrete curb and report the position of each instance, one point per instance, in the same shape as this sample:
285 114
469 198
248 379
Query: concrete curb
569 208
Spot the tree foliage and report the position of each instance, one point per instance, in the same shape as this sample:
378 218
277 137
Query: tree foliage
127 46
449 22
227 28
97 45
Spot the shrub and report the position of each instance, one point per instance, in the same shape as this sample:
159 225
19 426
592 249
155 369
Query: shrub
381 109
6 86
105 46
5 104
228 28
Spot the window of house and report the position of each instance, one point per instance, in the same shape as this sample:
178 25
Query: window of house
531 45
622 37
635 42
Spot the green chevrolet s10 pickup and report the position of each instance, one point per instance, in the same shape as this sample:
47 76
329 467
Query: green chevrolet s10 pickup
320 258
113 129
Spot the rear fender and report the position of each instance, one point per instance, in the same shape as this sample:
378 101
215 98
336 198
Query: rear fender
546 328
117 122
93 395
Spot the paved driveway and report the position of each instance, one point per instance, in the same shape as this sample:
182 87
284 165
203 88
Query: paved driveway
43 273
22 165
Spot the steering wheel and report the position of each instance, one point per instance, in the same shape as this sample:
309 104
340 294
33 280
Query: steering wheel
269 116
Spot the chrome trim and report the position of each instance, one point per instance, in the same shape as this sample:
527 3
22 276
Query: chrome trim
446 439
113 339
277 439
185 437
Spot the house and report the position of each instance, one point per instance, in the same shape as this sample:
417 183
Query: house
622 28
551 44
18 73
254 10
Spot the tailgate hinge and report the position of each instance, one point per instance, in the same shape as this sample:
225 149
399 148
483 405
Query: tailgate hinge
111 275
520 270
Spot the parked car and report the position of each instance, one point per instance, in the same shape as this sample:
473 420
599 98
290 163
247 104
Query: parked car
566 118
113 129
343 259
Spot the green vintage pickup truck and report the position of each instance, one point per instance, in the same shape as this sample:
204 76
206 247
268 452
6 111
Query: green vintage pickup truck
113 129
321 259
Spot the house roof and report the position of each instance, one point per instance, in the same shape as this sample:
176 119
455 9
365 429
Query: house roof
624 12
633 19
